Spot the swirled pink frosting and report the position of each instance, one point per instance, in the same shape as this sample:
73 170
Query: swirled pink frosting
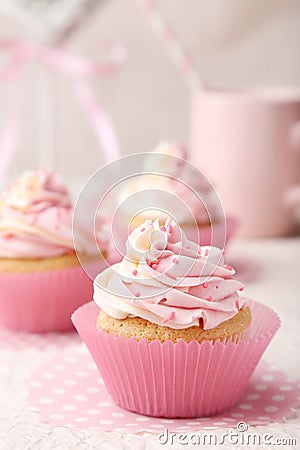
169 280
36 218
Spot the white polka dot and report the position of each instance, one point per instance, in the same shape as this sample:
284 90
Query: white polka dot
104 404
130 424
261 387
220 423
267 377
80 398
70 359
46 400
92 411
48 375
105 422
278 398
58 391
238 415
157 425
273 368
246 406
34 409
271 408
69 407
193 423
81 373
91 366
81 350
253 396
285 388
263 418
81 419
69 382
56 416
142 419
59 367
36 384
92 389
167 421
117 414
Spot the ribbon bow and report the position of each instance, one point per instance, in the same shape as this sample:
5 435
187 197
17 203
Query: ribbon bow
79 69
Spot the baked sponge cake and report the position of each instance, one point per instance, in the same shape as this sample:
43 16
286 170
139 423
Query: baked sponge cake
143 329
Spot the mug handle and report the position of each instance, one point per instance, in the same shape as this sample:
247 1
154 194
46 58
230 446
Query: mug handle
295 136
293 194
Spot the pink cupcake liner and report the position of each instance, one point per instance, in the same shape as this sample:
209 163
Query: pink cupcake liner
176 380
43 301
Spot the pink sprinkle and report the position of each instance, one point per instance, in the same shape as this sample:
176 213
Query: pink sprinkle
227 267
223 251
8 236
154 266
170 228
241 288
143 229
163 228
33 220
205 285
58 213
175 260
237 303
169 317
206 252
209 298
134 272
137 294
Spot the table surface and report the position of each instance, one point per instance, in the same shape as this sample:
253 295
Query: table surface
269 269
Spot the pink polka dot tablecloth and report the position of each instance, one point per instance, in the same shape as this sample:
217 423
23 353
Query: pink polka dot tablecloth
68 391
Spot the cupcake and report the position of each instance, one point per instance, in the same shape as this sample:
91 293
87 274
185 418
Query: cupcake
41 280
193 202
170 332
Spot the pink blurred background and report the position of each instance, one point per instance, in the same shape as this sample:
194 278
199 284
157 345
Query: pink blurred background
233 43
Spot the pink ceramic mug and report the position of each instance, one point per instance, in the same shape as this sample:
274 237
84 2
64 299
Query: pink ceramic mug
248 143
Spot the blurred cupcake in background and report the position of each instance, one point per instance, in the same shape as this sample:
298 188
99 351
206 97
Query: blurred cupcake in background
181 195
41 280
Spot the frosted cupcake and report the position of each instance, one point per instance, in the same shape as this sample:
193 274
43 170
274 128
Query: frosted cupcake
41 280
169 331
203 211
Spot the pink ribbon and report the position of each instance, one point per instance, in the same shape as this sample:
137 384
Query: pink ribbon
79 69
